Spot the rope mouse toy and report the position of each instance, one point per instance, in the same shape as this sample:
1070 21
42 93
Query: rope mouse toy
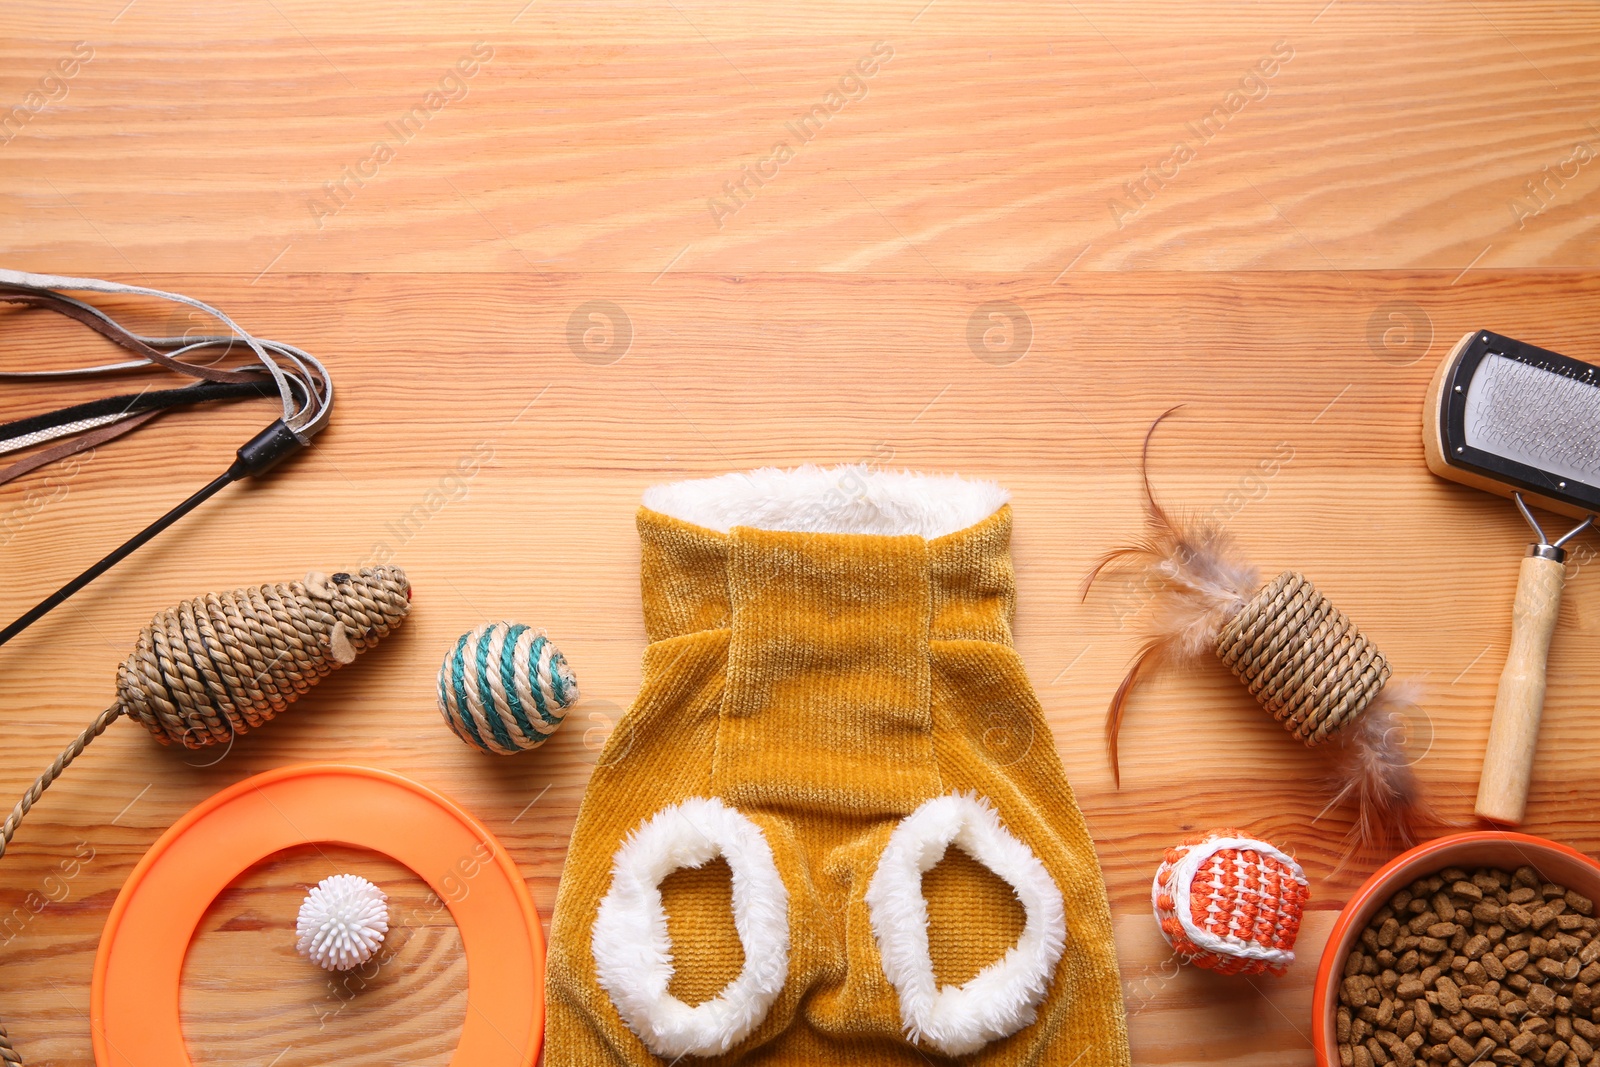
223 664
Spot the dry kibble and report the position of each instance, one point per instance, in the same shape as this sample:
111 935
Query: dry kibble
1483 1004
1449 994
1492 967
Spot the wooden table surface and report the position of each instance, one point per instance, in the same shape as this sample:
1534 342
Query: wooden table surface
590 264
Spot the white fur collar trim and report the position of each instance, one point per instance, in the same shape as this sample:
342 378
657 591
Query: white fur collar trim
847 499
633 952
1003 997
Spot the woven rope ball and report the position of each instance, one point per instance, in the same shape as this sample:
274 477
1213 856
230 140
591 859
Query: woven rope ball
505 688
1230 903
1302 659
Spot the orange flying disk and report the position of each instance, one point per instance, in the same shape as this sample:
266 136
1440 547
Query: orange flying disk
133 1007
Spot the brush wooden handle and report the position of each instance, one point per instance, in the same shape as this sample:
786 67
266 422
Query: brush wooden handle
1519 702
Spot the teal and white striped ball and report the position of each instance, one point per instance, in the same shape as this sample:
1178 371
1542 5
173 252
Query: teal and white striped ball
505 688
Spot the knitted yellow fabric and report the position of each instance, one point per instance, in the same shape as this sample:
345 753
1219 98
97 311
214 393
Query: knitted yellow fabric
824 687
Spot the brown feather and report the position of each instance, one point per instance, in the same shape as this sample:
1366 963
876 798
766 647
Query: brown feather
1197 584
1372 766
1119 701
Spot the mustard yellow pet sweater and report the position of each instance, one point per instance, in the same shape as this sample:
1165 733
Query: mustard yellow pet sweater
762 869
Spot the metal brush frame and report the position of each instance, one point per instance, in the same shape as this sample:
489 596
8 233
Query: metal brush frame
1452 419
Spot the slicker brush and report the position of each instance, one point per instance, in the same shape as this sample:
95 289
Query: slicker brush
1302 659
223 664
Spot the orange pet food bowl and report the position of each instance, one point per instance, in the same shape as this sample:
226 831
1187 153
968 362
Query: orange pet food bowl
1479 848
133 1005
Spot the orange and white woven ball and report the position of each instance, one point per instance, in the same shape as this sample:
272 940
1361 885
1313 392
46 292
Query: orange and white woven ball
1230 903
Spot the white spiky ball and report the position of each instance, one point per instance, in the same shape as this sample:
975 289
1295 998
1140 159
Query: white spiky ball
342 922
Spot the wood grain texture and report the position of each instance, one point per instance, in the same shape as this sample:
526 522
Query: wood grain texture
935 280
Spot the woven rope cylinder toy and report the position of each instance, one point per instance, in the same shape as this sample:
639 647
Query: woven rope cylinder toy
1299 656
1302 659
1230 904
505 688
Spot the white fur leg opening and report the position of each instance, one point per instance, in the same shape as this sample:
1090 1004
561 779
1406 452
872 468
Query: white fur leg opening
850 499
633 952
1003 997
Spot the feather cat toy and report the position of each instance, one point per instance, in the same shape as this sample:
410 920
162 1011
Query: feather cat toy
1299 656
